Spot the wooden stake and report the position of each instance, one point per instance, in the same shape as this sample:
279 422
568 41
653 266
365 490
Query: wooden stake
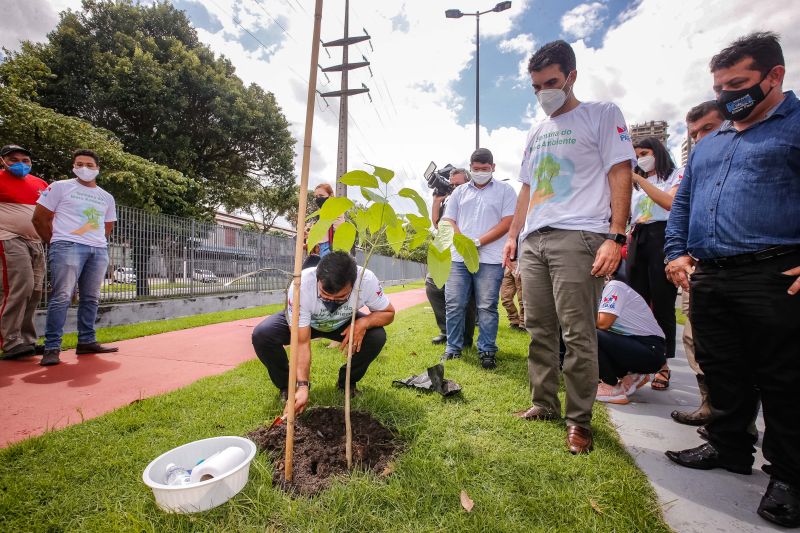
298 248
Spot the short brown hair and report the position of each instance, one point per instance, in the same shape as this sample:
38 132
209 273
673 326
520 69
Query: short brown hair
325 187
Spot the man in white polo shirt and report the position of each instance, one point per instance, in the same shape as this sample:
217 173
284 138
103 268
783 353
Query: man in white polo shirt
576 177
481 210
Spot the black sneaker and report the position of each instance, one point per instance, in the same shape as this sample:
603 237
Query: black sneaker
353 391
17 352
50 357
439 339
284 395
450 355
488 360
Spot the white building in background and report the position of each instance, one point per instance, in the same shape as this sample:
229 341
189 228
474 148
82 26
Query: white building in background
654 128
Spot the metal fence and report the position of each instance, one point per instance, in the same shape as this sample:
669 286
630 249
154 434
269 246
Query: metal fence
162 256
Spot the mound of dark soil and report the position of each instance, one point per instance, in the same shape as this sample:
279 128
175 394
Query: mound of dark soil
319 446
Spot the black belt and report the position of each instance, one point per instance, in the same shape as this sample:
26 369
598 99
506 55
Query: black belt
754 257
544 229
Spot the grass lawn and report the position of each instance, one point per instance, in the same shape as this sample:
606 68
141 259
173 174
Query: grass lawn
88 477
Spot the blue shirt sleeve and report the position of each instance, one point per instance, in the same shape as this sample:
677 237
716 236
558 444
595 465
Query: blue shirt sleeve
677 232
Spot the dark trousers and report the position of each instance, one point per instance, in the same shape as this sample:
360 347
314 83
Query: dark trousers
436 298
273 333
746 329
619 355
646 276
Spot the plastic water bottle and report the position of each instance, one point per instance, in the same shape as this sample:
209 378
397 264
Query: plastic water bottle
177 475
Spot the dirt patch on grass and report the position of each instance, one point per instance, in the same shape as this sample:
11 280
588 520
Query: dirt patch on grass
319 446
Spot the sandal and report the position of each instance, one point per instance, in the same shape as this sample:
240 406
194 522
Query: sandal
661 384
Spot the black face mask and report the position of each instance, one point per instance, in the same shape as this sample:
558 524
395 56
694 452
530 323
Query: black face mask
319 201
738 105
331 305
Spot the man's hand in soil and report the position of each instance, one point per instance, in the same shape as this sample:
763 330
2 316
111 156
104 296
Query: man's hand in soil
361 327
300 401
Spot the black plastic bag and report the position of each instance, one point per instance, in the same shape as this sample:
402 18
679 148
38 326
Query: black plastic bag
431 380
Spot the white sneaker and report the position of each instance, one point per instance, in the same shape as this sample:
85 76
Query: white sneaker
608 394
633 382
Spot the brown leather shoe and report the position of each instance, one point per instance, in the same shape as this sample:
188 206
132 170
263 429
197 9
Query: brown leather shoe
537 413
94 347
579 440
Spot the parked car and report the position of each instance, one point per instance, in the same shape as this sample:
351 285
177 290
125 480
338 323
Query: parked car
204 276
124 275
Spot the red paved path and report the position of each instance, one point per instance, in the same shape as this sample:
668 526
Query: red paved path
34 399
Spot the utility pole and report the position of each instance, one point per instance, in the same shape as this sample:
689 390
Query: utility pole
344 68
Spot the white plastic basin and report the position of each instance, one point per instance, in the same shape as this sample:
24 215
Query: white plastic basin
205 494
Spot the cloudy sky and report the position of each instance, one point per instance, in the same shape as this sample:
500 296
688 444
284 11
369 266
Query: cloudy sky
650 57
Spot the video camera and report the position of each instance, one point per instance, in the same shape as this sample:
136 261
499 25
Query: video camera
439 180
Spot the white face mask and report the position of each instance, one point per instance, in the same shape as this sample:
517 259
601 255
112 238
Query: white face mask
552 100
86 174
481 178
646 163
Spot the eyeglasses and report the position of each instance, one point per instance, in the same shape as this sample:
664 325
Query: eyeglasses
334 300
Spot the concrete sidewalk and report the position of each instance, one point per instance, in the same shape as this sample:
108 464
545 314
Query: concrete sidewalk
37 399
692 500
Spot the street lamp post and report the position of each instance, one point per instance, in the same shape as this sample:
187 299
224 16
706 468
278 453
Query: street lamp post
457 14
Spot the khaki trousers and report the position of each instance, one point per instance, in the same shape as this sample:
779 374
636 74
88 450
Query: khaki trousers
22 274
511 285
561 291
688 337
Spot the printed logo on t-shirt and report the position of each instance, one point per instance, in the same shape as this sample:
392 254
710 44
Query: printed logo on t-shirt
623 133
553 179
610 302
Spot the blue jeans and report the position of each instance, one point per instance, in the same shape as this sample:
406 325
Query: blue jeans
460 285
324 249
70 264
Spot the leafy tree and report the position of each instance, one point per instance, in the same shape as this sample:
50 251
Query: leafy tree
141 72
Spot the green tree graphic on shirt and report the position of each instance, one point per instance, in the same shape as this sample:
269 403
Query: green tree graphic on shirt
646 208
547 169
92 221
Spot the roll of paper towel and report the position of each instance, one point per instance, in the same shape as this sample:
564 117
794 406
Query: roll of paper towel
218 464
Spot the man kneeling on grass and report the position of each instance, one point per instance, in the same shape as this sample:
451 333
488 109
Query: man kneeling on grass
327 297
630 343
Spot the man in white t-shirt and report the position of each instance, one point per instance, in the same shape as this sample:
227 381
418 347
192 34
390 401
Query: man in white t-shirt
328 294
481 210
76 217
576 176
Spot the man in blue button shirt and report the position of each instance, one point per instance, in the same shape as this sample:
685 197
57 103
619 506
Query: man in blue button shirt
736 217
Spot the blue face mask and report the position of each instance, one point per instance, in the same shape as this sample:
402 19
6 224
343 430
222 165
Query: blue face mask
20 170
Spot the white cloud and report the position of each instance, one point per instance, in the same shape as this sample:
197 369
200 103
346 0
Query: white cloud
583 20
523 43
30 20
654 64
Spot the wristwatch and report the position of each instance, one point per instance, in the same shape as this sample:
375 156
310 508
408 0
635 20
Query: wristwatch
304 384
477 243
619 238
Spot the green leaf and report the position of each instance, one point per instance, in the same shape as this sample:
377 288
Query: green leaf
419 239
414 195
317 232
312 215
361 220
444 236
439 264
384 174
359 178
396 236
333 207
344 237
375 217
371 196
380 215
467 249
419 223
